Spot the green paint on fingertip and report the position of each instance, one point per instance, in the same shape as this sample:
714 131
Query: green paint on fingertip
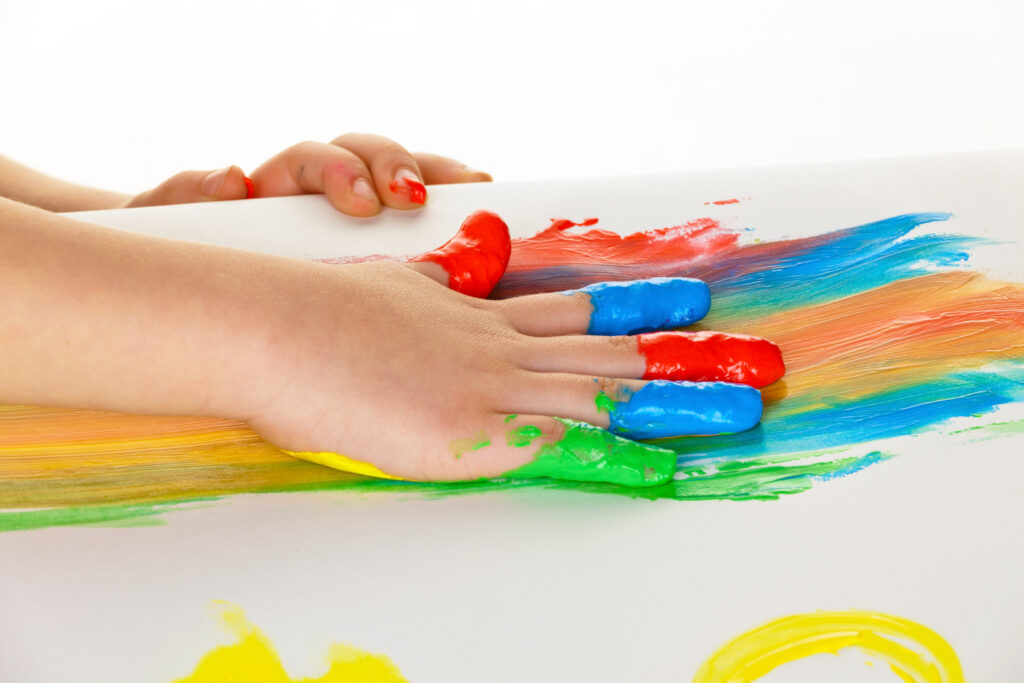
509 418
523 435
591 454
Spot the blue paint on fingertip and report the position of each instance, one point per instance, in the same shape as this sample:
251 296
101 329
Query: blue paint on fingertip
662 408
657 303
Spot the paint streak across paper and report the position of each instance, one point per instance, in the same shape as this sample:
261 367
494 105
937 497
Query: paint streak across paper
885 331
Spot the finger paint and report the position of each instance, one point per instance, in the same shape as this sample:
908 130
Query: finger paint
254 659
523 435
662 408
459 447
643 305
587 453
711 357
413 189
886 333
250 189
476 257
912 651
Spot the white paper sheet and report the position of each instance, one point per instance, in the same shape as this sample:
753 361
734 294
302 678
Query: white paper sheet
544 585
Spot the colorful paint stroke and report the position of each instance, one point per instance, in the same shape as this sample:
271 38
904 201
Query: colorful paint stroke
252 658
913 652
886 332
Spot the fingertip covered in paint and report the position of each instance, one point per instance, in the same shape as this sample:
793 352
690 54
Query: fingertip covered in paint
711 357
476 258
663 408
637 306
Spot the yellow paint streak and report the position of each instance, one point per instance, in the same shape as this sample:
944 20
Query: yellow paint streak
914 653
343 463
253 659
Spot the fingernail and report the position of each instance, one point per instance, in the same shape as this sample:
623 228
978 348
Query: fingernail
656 303
589 453
214 181
661 408
361 188
408 183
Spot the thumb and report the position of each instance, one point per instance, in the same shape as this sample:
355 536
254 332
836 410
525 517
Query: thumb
474 260
197 186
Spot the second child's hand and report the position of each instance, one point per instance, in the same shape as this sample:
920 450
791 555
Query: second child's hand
358 173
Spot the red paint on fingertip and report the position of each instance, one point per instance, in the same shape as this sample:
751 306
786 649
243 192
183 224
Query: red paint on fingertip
711 357
413 189
476 257
250 189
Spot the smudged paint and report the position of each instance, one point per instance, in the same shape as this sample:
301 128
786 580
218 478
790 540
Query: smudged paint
661 409
476 257
586 453
644 305
912 651
412 188
459 447
711 357
253 659
250 189
723 202
523 435
885 331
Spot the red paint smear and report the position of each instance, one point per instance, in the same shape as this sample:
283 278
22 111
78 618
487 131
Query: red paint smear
711 357
723 202
476 257
555 246
250 189
413 189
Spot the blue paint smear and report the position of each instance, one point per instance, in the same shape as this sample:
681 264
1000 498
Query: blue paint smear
656 303
662 408
840 422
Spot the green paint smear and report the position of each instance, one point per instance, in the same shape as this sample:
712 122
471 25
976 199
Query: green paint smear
589 453
604 403
509 418
523 436
130 515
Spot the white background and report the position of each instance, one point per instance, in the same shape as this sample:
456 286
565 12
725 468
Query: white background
123 94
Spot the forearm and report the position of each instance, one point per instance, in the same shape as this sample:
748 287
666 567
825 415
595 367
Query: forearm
28 186
99 318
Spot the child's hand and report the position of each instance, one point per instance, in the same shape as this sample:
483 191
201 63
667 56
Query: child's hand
381 365
359 173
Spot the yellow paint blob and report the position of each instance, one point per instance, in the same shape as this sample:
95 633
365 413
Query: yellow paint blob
914 653
343 463
253 660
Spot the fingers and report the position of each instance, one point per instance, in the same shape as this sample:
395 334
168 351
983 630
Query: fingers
396 174
474 260
644 409
612 308
438 170
315 167
196 186
677 356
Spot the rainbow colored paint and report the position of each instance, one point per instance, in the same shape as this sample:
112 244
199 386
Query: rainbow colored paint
885 330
